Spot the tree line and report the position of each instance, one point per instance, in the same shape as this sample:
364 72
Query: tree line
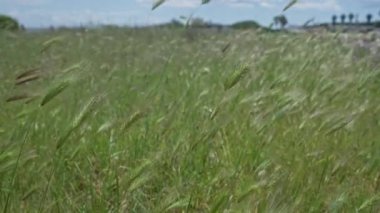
350 18
9 23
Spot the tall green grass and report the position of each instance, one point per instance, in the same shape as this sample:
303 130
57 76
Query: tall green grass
152 121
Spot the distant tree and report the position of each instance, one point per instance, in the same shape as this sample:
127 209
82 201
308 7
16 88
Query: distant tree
198 22
8 23
351 17
369 18
334 18
343 18
280 20
176 23
243 25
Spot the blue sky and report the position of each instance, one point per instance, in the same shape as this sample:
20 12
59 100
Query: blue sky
44 13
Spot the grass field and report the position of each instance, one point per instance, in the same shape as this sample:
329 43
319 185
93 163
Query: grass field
156 120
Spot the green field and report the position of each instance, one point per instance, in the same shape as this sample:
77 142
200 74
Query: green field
169 120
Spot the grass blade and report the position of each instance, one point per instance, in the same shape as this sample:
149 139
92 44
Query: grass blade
54 92
78 120
177 205
219 204
367 203
289 5
27 78
133 119
47 44
28 73
17 97
25 139
157 3
235 77
139 176
73 67
246 194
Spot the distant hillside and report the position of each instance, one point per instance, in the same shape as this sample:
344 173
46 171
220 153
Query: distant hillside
243 25
199 23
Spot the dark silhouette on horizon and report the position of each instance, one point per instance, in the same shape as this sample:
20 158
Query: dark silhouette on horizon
369 18
334 18
343 18
351 17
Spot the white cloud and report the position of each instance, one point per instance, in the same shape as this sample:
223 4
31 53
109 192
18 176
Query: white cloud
325 5
80 17
370 3
302 4
174 3
246 3
27 2
197 3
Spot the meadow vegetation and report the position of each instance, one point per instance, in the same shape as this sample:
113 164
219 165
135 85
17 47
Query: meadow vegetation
167 120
